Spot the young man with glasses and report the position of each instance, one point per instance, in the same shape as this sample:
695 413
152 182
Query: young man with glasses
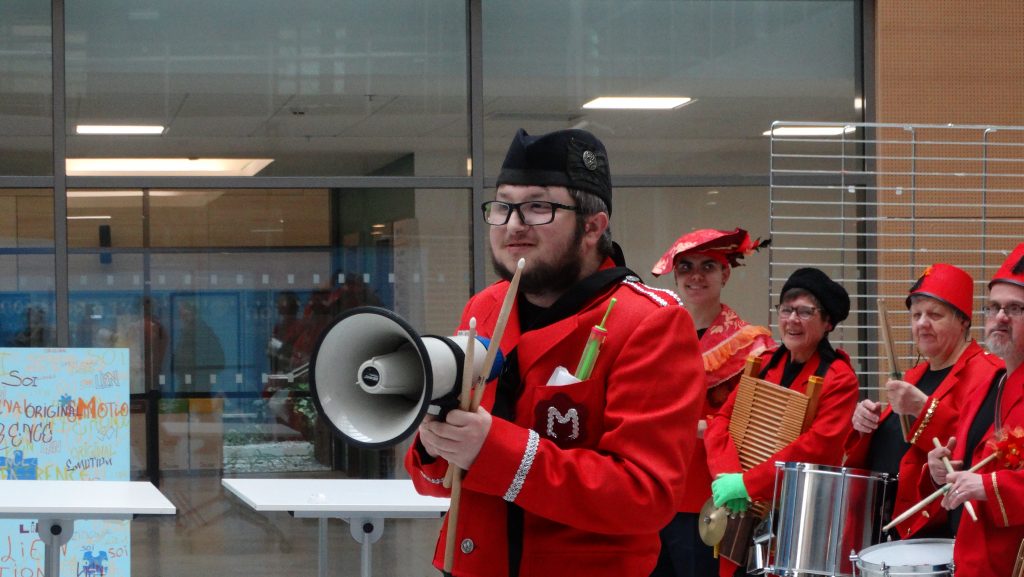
567 478
992 412
810 307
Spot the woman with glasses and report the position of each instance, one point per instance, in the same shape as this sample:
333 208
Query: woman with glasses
702 261
930 394
810 307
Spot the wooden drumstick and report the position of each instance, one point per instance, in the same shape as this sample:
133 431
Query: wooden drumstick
938 493
471 404
453 521
453 477
499 331
470 401
894 369
467 386
949 469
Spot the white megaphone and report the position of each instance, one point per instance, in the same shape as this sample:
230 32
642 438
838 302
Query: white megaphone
373 378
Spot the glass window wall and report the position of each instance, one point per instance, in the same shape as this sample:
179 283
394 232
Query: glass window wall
315 88
26 89
743 64
220 288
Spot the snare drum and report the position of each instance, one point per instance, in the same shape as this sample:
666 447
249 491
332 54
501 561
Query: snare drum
822 514
910 557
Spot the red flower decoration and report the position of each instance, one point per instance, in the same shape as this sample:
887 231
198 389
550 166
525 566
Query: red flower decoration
1009 445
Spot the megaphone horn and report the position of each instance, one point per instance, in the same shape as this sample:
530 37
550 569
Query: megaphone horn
373 378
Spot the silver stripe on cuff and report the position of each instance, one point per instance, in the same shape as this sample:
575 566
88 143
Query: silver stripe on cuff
524 467
433 480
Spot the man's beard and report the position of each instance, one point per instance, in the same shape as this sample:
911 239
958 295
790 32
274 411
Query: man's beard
548 277
1000 344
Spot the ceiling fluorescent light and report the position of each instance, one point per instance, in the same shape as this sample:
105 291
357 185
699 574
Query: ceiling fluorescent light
94 217
118 129
120 193
637 103
834 130
104 193
166 166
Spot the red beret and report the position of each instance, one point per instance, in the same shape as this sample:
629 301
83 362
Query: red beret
729 245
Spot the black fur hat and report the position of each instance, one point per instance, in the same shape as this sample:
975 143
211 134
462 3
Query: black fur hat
832 296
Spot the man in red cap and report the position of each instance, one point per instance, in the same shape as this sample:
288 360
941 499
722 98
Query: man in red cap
701 262
991 421
566 478
931 394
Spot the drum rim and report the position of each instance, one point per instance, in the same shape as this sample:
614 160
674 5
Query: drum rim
830 470
859 560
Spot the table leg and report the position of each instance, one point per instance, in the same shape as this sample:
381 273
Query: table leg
54 533
367 532
322 548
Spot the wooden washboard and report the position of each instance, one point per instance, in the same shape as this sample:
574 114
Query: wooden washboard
765 419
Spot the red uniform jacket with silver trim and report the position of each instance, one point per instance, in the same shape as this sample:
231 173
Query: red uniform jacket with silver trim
594 465
974 367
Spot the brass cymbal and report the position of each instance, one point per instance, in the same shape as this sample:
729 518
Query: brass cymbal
712 523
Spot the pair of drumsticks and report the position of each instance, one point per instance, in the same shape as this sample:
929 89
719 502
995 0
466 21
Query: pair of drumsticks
469 400
906 425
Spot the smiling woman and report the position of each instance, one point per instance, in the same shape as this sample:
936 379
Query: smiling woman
805 353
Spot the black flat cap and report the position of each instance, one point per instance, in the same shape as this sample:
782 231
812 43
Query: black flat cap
570 158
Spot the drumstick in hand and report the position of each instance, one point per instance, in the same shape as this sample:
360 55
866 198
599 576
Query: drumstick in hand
499 331
949 469
467 387
938 493
454 479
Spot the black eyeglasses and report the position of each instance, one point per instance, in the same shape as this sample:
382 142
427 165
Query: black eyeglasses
803 313
531 213
1012 310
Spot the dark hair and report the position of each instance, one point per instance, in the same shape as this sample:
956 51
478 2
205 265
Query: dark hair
588 204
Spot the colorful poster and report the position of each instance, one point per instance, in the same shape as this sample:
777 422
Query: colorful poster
64 416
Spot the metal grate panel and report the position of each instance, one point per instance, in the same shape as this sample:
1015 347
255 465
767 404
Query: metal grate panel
875 204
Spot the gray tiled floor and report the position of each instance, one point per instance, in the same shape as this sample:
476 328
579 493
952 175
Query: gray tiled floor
216 535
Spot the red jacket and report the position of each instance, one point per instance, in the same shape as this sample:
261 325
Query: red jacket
593 497
725 346
818 444
988 547
974 367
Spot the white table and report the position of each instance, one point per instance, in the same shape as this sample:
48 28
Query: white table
56 505
363 503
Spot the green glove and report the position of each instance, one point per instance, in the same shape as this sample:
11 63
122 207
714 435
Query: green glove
728 488
737 505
